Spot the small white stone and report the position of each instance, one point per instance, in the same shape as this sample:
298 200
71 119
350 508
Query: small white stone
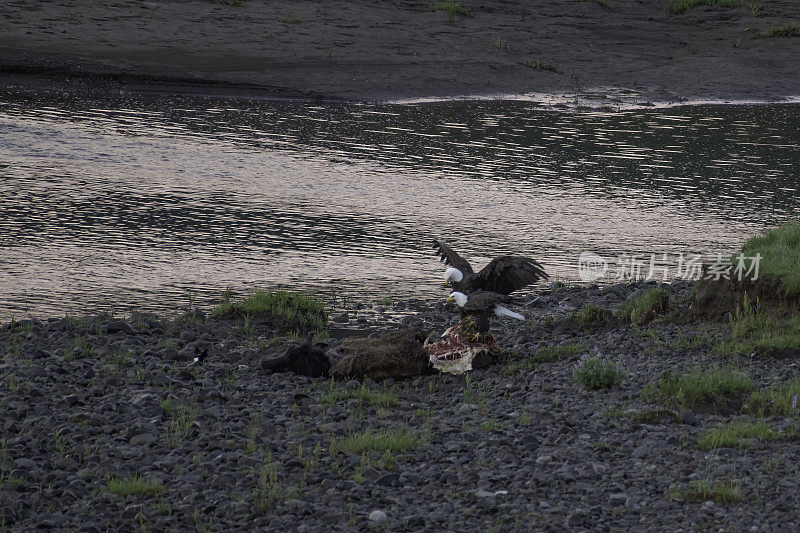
377 516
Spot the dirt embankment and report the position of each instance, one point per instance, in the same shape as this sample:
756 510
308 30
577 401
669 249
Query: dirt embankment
404 49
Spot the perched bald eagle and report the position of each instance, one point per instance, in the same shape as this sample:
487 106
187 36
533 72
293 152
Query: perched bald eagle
483 304
477 308
503 275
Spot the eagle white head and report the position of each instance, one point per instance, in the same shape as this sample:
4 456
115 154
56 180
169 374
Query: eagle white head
453 275
459 297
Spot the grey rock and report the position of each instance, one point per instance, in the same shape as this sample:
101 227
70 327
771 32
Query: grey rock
26 463
142 398
387 480
142 439
377 517
688 417
117 326
54 520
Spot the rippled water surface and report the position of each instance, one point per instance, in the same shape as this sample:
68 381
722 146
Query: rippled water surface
140 203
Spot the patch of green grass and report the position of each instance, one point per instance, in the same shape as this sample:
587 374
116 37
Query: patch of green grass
596 373
737 434
380 441
645 307
250 446
697 339
715 385
363 394
546 322
450 8
60 445
179 425
292 19
514 368
591 316
12 384
122 359
168 343
538 65
790 29
200 525
549 354
691 340
269 489
500 43
167 405
702 490
681 6
135 486
246 328
754 6
608 4
388 461
779 248
781 400
293 310
753 331
474 395
491 425
645 333
653 416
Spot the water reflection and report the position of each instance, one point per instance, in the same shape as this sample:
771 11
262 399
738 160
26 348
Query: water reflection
138 202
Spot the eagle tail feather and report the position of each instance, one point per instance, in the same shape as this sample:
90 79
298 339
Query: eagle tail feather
499 310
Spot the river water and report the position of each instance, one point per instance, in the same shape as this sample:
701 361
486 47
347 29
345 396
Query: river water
151 203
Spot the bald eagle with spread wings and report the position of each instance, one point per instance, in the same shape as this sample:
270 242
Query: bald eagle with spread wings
503 275
479 297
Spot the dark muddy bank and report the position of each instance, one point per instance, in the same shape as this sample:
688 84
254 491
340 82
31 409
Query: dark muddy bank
108 423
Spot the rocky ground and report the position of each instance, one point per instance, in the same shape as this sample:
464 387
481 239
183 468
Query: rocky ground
598 52
109 424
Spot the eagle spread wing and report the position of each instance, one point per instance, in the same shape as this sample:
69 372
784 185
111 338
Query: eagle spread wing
507 273
449 257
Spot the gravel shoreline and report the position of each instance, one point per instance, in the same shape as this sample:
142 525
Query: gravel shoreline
597 53
225 445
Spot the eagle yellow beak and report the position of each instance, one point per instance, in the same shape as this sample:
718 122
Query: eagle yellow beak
450 299
447 283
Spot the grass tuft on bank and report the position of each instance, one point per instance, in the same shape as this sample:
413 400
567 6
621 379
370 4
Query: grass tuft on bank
780 254
596 373
541 66
591 316
713 385
294 310
608 4
677 7
646 307
362 394
738 435
134 486
778 400
546 354
451 8
790 29
380 441
753 331
703 490
549 354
